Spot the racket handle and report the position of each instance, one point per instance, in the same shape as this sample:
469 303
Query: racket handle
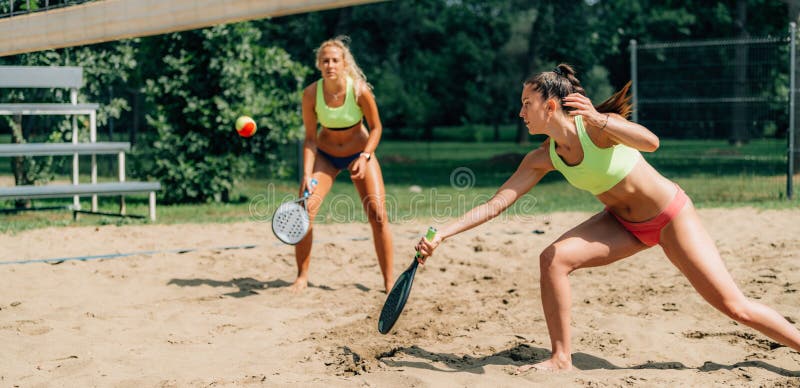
429 236
431 233
311 185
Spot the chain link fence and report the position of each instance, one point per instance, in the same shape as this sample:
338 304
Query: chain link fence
723 106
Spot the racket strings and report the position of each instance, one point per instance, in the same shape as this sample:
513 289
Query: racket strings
391 301
290 223
395 302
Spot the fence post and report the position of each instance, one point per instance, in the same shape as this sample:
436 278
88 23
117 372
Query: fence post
76 200
792 85
634 81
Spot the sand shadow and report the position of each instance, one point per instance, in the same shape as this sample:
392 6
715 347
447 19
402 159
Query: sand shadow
525 354
710 366
362 287
250 286
246 286
323 287
465 363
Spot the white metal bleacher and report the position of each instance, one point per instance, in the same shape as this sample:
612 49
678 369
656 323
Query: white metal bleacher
72 79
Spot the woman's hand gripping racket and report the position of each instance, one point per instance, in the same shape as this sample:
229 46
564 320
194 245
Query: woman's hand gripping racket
290 221
396 300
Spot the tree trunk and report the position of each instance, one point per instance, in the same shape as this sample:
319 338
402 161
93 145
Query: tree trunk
739 127
18 163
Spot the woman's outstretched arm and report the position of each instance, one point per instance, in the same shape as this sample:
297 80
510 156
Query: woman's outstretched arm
533 167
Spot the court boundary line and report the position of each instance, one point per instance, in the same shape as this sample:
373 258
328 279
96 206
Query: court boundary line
58 260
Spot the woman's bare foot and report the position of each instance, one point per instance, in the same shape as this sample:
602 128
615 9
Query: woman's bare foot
299 285
551 365
387 285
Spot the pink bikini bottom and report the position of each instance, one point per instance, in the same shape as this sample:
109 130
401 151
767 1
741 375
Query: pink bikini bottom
649 232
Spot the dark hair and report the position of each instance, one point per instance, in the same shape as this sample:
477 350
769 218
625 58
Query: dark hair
562 81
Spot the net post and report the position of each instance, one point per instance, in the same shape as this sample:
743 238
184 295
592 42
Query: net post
792 121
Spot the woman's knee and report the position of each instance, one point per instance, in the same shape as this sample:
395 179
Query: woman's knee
376 209
312 211
552 260
314 201
378 218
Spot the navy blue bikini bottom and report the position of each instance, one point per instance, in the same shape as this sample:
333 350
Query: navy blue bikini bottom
339 162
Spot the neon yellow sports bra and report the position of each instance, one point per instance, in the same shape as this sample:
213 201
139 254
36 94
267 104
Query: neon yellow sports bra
341 117
601 168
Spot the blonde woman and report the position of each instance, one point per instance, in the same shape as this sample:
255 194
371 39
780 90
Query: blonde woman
334 109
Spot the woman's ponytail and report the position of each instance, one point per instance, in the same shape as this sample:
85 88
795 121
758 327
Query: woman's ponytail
619 102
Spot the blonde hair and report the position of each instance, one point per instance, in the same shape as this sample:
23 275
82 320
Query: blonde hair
350 65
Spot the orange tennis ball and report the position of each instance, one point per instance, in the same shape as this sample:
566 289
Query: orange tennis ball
245 126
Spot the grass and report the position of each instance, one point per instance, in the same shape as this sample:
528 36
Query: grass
451 177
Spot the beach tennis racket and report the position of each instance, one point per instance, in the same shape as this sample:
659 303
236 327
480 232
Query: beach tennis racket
396 300
290 221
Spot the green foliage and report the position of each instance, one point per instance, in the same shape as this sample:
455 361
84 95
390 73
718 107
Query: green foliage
431 62
439 64
207 78
447 62
19 5
616 22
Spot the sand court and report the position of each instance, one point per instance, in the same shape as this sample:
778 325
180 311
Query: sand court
193 313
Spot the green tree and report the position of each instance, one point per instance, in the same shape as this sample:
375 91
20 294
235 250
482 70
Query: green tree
432 62
617 22
206 79
438 61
